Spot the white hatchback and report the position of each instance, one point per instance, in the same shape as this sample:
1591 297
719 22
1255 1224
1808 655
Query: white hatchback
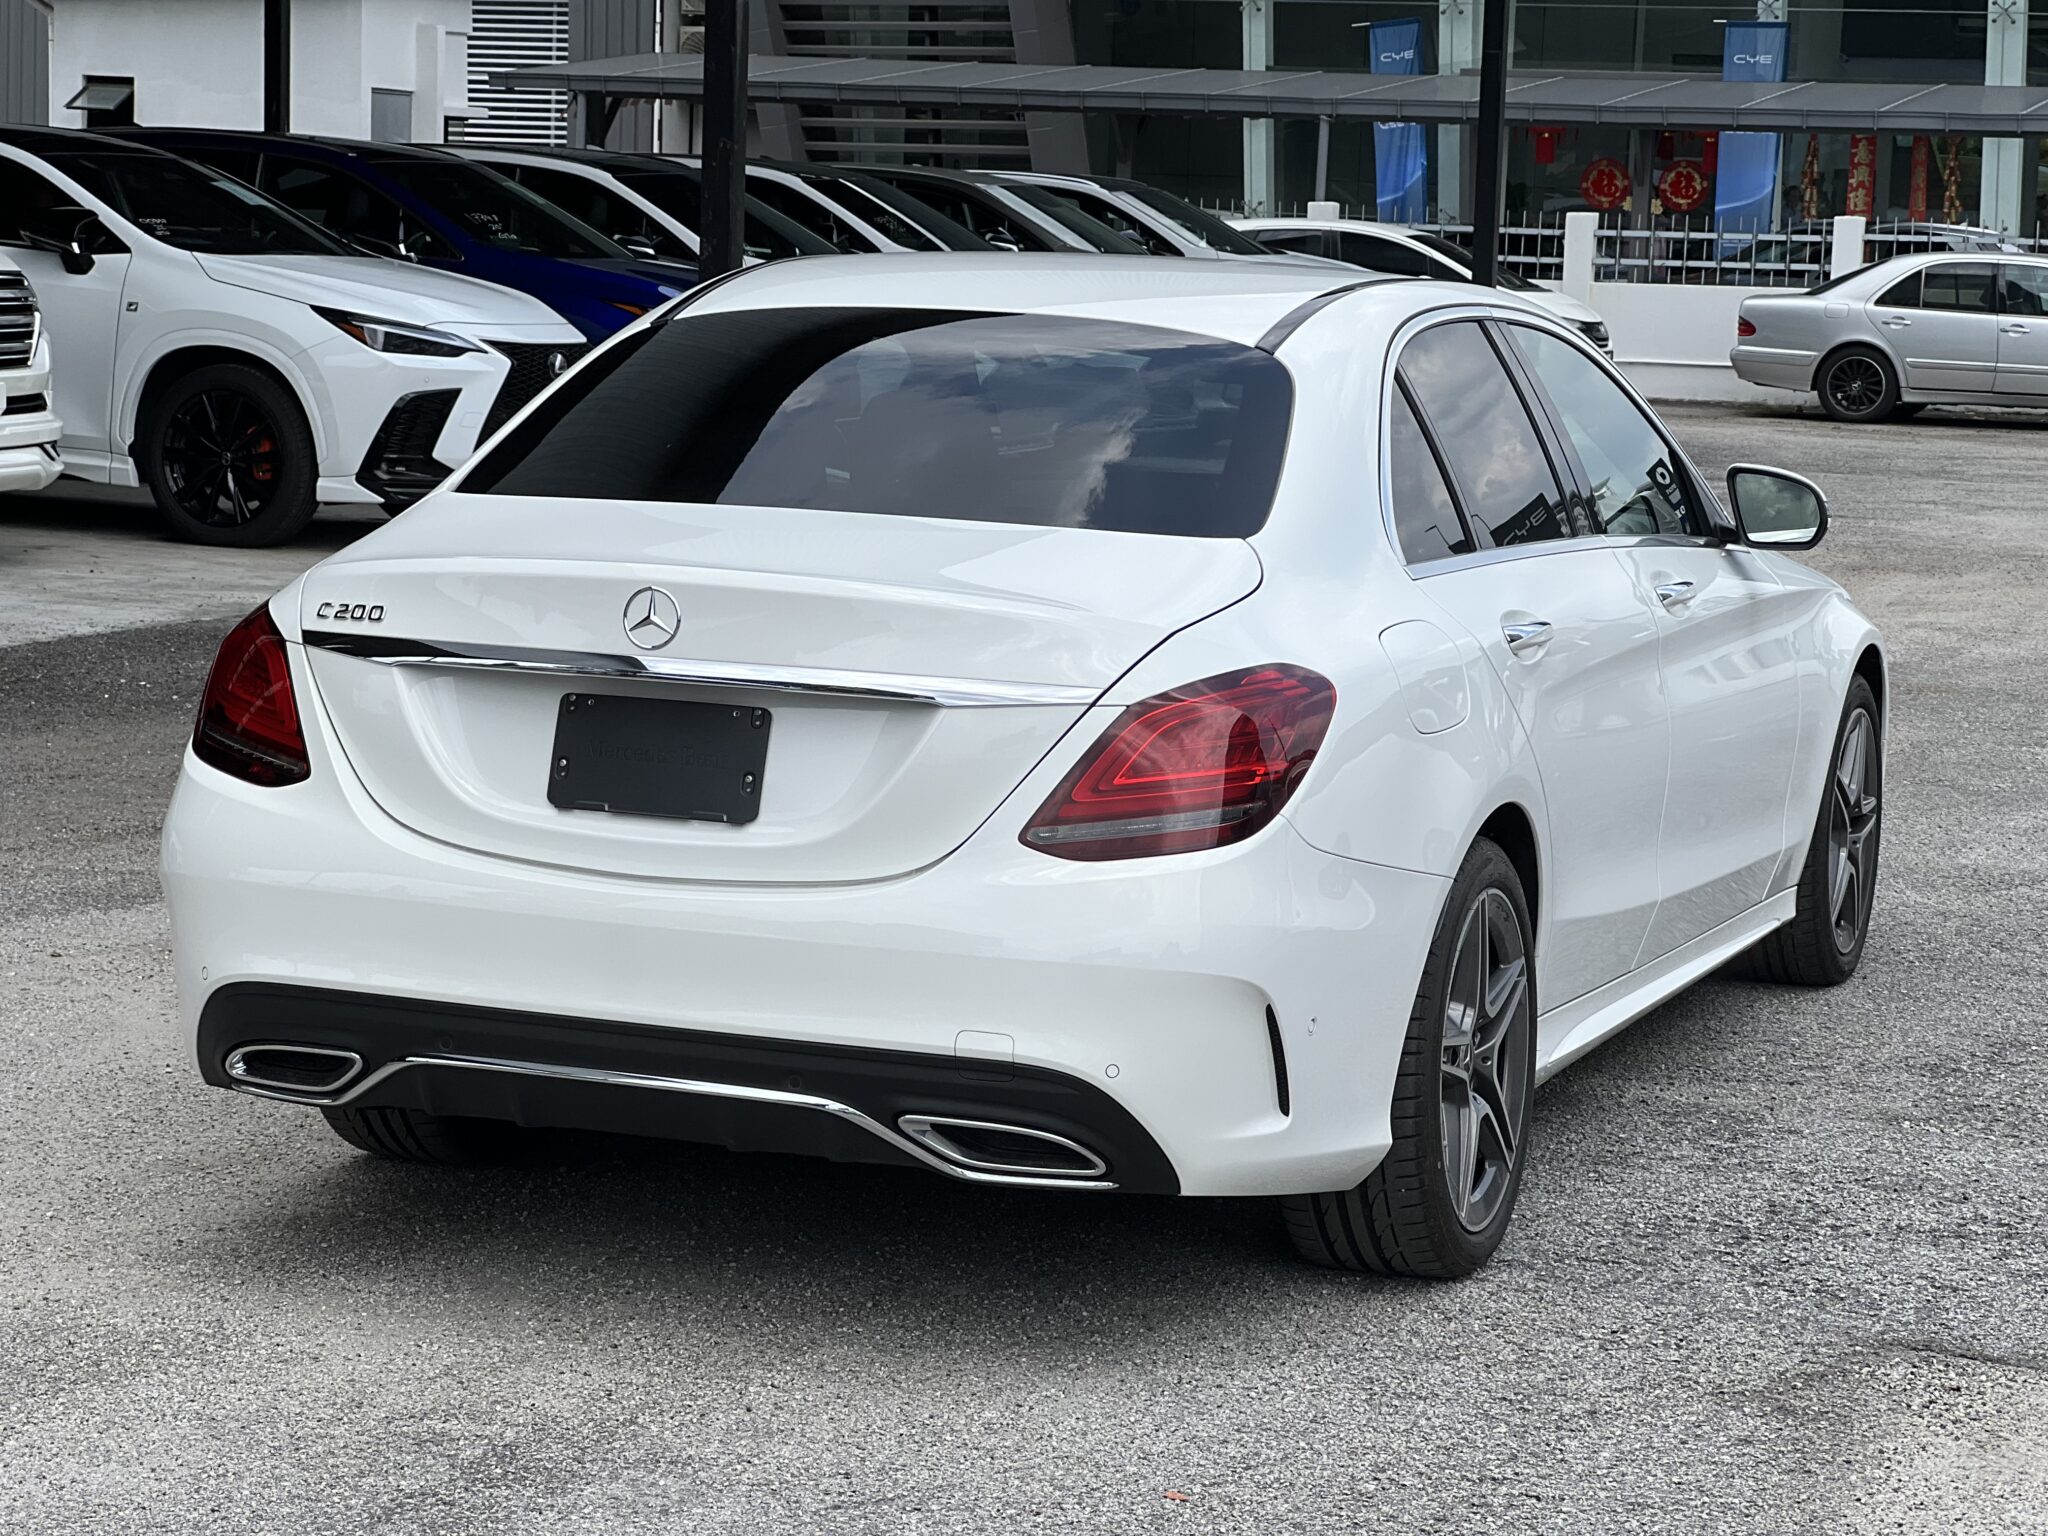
1081 723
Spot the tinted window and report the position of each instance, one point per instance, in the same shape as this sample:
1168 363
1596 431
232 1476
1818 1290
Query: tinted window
493 210
1199 222
910 223
2026 290
1052 422
345 206
1103 211
1964 285
989 220
193 208
1637 487
1063 211
679 193
1502 472
801 208
600 207
1904 294
1425 516
27 199
1377 255
1308 242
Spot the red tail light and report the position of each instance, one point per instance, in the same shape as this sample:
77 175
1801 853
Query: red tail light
1744 328
1200 767
248 721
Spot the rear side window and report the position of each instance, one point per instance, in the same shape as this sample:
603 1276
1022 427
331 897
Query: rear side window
1904 294
1046 421
1509 489
1377 255
1425 516
1637 490
1962 285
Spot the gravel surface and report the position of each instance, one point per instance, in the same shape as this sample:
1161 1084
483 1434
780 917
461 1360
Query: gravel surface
1779 1263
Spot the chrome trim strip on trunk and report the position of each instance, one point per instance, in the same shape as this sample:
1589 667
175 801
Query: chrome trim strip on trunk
943 692
683 1085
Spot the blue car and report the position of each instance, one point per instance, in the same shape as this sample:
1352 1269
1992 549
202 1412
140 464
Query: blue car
440 210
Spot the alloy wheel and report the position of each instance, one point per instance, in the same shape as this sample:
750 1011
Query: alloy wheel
1856 384
1486 1044
1852 831
220 458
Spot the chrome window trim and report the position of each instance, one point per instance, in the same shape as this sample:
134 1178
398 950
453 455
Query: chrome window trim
894 687
682 1085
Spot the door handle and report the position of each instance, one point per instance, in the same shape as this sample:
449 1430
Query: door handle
1526 637
2016 329
1896 322
1674 594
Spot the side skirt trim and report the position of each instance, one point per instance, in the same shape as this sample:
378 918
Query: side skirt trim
1584 1022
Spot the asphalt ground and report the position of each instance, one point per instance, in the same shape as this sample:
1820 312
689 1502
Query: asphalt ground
1779 1263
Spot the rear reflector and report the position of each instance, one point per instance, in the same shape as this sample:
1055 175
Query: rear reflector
1744 328
1200 767
248 721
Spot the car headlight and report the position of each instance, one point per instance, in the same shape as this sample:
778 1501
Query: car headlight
395 337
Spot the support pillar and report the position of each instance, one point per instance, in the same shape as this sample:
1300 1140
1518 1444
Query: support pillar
1457 50
2004 200
725 137
1261 168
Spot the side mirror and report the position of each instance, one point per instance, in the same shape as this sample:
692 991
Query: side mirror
73 233
1775 509
640 246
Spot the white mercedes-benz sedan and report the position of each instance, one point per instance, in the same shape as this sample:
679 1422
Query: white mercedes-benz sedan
1088 723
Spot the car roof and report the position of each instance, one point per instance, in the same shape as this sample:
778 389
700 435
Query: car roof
594 159
56 141
1238 301
929 173
357 149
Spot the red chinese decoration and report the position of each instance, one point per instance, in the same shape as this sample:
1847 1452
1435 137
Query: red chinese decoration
1544 141
1862 196
1606 184
1684 187
1710 152
1916 196
1809 180
1952 179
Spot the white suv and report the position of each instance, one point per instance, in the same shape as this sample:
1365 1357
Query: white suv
241 362
28 427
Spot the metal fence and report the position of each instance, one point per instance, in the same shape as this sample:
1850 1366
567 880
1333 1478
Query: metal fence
1693 250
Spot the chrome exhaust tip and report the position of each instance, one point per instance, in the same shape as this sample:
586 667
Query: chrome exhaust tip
314 1070
989 1147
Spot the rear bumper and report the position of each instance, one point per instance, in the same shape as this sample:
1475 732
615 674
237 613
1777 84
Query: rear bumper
1148 983
684 1085
1776 367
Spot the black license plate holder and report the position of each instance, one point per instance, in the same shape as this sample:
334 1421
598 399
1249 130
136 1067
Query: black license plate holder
675 758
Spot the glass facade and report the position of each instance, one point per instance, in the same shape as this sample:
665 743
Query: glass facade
1645 178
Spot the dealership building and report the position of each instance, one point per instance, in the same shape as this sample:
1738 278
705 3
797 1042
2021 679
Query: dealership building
1648 109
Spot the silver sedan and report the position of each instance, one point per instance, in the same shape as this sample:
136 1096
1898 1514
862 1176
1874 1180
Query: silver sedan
1914 331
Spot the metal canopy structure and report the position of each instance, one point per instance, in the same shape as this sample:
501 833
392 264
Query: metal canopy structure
1630 101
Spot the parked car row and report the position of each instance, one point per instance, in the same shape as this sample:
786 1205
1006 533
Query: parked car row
253 325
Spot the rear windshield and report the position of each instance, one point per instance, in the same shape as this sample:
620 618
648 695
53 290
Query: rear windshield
1039 420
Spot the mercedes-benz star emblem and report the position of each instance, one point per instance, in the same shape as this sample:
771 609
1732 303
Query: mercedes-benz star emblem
652 618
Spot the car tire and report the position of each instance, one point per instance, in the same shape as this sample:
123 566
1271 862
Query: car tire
227 454
413 1136
1858 384
1818 947
1456 1090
